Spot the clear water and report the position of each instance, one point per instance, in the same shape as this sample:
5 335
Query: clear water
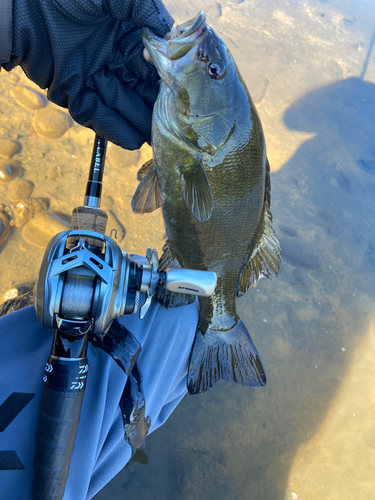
309 433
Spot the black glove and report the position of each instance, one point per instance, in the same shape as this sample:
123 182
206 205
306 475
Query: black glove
88 53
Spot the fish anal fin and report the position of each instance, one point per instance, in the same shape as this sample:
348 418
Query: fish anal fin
167 260
265 259
229 355
148 196
144 169
165 297
173 299
196 191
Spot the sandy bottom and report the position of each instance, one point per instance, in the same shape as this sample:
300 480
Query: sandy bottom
308 434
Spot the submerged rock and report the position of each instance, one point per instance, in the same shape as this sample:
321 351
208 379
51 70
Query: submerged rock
367 165
299 254
50 123
4 227
42 228
106 202
13 79
214 11
26 97
27 209
8 148
9 170
288 231
19 190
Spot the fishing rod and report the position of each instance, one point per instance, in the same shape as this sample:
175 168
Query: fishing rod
86 281
367 59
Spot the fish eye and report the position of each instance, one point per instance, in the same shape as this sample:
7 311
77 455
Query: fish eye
216 69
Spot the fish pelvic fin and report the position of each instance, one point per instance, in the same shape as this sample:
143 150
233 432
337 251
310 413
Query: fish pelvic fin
230 356
196 190
165 297
265 259
148 196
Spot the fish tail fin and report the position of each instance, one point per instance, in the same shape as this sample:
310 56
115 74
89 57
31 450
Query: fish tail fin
229 355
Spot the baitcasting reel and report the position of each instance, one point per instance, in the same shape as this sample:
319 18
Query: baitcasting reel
81 283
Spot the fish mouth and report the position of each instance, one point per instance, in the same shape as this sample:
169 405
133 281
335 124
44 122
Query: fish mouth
177 47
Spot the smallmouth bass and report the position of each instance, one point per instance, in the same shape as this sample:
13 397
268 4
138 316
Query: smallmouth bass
211 175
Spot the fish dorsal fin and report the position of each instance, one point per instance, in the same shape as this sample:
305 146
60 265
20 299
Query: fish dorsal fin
144 169
196 191
148 196
266 257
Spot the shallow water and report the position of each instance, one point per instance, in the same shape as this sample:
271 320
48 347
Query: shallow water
309 433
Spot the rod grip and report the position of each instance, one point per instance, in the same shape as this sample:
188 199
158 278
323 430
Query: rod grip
59 414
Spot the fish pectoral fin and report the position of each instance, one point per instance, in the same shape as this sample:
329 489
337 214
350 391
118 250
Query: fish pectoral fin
148 196
265 259
144 169
196 191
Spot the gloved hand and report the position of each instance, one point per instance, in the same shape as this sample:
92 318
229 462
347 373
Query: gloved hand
88 53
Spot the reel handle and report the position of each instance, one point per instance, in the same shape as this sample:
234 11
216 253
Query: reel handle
201 283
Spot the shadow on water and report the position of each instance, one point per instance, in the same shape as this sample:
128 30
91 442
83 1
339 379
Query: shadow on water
239 443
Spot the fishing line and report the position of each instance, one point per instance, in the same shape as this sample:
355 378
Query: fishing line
73 169
368 56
